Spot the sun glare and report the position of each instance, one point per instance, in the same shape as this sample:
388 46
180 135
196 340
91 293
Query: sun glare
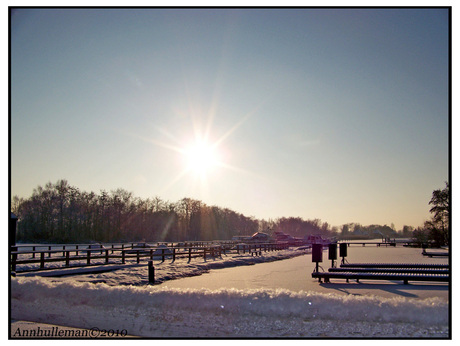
201 157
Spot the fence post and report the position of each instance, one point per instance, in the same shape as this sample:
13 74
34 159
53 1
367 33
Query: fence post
123 256
42 260
174 254
67 258
137 256
13 262
189 254
151 273
162 255
88 257
107 255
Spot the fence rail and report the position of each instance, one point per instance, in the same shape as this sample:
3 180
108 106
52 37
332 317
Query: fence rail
115 253
378 243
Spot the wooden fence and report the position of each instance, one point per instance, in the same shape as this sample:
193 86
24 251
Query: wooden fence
87 254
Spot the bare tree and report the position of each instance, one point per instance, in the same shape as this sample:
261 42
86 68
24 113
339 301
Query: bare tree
439 226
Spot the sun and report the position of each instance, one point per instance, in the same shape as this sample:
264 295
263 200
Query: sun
201 157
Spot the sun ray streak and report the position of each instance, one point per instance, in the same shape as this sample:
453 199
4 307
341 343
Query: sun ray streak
240 170
175 180
236 126
167 134
158 143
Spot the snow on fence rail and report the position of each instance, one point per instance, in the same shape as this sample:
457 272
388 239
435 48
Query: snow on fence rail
121 252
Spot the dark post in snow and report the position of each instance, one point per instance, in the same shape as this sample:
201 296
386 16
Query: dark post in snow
12 241
151 272
317 254
343 251
332 253
12 237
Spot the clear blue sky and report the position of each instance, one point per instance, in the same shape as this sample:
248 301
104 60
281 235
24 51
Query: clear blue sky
340 115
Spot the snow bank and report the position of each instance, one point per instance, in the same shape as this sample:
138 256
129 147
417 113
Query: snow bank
155 311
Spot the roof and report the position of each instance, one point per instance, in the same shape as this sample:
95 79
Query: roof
260 234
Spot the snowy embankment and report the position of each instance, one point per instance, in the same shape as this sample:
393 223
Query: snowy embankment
122 299
154 311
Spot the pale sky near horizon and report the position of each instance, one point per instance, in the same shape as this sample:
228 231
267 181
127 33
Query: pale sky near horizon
336 114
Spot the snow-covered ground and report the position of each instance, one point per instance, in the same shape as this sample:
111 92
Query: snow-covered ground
137 274
122 299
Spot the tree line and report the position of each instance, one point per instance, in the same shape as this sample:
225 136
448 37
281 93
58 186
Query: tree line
63 213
